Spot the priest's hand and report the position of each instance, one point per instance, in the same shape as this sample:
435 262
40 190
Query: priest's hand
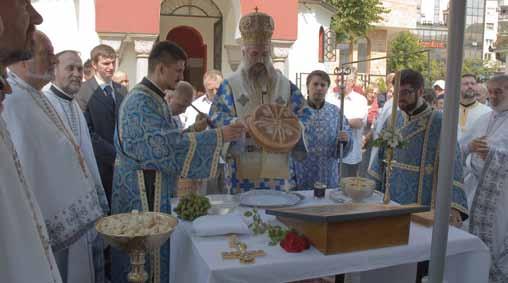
343 137
233 132
201 123
455 218
480 146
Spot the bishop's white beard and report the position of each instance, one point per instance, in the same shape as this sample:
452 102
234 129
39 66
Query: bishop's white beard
258 76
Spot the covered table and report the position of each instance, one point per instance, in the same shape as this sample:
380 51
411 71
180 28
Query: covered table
198 259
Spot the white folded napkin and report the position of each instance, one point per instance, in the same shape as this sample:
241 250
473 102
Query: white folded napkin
213 225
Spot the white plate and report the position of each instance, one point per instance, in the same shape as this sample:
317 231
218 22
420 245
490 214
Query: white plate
268 198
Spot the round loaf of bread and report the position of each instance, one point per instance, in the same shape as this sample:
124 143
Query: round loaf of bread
274 127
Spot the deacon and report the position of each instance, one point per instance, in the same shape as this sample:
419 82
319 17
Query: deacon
487 182
153 152
255 82
70 198
415 165
24 238
470 109
323 137
61 94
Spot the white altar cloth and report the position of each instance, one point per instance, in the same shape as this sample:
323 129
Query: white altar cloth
198 259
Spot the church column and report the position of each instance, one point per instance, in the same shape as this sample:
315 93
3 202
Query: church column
279 56
142 48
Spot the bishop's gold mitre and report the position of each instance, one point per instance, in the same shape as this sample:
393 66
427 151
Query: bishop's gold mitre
256 28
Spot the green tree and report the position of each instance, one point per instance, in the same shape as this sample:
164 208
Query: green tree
354 18
478 68
404 52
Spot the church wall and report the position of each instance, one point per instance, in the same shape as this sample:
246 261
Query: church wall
231 14
203 25
69 24
303 54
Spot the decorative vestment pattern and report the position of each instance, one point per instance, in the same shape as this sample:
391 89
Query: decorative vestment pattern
322 140
415 166
484 213
148 140
224 112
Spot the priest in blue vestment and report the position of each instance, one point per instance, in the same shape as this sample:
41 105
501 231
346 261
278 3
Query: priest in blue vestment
323 137
256 82
152 153
415 165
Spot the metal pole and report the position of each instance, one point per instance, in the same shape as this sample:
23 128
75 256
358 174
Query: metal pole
456 23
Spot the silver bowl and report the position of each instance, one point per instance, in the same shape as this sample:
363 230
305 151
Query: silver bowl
222 204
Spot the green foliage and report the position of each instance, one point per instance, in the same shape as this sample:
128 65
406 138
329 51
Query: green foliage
402 53
354 18
258 226
381 85
478 68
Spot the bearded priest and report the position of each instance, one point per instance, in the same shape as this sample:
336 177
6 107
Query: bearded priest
256 82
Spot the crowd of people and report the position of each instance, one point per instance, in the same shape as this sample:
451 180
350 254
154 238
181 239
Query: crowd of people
76 145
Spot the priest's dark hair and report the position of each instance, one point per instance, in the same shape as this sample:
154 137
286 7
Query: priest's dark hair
413 78
165 52
469 75
318 73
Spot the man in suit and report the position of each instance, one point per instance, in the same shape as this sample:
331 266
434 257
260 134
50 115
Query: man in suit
99 98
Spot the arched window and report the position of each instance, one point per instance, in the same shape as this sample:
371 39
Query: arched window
321 45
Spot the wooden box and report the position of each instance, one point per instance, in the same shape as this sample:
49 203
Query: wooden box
350 227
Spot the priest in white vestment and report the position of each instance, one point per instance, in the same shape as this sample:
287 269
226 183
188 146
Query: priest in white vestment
25 254
486 184
470 109
67 82
70 198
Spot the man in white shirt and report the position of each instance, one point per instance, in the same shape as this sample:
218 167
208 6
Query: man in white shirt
470 109
99 98
211 81
355 110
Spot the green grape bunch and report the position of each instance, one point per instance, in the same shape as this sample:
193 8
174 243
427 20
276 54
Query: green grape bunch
192 206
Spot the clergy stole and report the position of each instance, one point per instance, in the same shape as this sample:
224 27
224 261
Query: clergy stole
255 163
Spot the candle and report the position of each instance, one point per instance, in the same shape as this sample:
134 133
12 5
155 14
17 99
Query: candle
395 97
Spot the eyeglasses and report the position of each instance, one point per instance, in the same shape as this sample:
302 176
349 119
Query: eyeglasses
407 92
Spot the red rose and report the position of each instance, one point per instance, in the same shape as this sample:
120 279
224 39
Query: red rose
293 243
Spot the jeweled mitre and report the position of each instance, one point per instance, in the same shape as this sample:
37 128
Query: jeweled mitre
256 28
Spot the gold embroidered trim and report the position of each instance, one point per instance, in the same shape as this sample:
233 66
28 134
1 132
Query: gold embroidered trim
434 179
459 208
458 184
424 155
216 153
43 237
142 190
405 166
190 155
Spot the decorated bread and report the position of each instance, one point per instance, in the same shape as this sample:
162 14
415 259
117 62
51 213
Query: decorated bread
274 127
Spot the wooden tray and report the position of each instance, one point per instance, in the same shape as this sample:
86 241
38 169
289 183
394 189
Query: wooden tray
350 227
